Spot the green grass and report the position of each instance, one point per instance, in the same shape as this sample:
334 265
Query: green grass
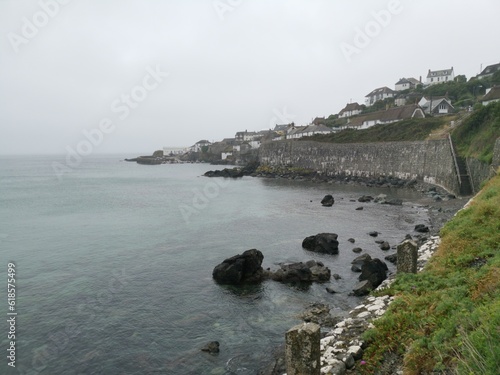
448 316
406 130
476 136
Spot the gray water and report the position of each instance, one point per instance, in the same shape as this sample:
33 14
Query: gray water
114 262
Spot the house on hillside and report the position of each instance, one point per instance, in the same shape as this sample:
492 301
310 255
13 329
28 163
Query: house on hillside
294 132
406 84
492 95
489 71
439 105
379 94
440 76
351 109
197 147
313 129
387 116
246 136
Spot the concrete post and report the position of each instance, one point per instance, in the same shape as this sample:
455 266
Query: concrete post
302 350
407 257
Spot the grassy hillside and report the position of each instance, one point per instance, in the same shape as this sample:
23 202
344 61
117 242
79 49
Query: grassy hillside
406 130
448 316
477 134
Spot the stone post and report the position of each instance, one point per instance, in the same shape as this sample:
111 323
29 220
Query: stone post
302 350
407 257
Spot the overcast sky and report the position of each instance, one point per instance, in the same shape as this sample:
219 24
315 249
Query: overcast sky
137 75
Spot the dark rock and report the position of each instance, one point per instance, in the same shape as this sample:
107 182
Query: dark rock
365 198
373 233
330 290
240 268
408 237
379 241
361 259
421 228
322 243
381 198
336 276
393 258
211 347
357 250
328 201
351 240
375 271
356 268
359 209
363 288
319 313
385 245
302 272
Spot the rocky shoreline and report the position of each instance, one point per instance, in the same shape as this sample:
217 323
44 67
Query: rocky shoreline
342 346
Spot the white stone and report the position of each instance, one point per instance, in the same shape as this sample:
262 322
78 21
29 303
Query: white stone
338 331
364 314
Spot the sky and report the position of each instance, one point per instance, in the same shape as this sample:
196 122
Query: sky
134 76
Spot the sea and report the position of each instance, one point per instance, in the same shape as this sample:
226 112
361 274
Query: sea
113 262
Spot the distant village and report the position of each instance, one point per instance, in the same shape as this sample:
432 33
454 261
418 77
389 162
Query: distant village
383 105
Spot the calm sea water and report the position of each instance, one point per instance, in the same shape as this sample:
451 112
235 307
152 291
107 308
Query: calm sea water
114 263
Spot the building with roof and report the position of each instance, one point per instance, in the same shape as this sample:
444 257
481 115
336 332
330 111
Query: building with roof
387 116
351 109
440 76
492 95
198 145
439 105
406 84
489 71
379 94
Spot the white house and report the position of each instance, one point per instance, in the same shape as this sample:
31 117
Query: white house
406 83
224 155
489 71
198 145
440 76
387 116
351 109
436 105
379 94
492 95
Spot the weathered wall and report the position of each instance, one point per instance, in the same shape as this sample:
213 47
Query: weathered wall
429 161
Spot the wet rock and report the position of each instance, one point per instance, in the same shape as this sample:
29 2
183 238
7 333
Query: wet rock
357 250
330 290
302 272
394 202
359 209
322 243
421 228
239 269
336 276
328 201
373 233
351 240
393 258
362 288
381 198
385 245
365 198
211 347
375 271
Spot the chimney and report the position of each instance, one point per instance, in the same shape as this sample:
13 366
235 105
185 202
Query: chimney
420 79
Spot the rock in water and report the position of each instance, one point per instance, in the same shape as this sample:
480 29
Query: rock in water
385 245
302 272
239 269
322 243
328 201
375 271
211 347
421 228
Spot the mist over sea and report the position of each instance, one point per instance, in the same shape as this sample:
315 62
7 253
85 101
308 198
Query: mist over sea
114 262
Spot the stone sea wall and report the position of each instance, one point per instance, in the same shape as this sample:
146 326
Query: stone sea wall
428 161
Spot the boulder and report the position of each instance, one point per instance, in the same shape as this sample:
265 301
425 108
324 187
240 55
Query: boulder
421 228
328 201
381 198
322 243
365 198
357 250
239 269
373 233
351 240
359 208
375 271
362 288
212 347
302 272
385 245
393 258
394 202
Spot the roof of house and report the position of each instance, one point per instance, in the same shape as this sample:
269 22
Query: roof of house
490 69
282 127
436 102
351 107
388 115
381 90
315 128
439 73
493 94
408 80
295 130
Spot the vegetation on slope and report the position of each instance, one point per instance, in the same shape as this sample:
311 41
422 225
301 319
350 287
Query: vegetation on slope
406 130
476 136
448 316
